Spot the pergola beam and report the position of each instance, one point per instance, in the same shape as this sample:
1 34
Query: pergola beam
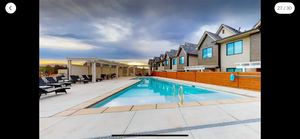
94 61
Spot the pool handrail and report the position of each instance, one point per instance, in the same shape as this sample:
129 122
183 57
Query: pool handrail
181 98
174 90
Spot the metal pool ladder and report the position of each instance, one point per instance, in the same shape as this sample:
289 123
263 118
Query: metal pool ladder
174 90
180 97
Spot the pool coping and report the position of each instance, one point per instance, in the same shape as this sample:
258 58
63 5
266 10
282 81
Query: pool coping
84 108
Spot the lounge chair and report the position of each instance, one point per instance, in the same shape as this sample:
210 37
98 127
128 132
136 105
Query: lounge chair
58 78
75 79
112 75
42 83
86 78
97 79
104 76
49 90
51 80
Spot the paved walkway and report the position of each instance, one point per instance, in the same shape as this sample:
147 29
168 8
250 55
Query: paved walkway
52 104
239 120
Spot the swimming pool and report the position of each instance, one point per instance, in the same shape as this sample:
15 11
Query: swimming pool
156 91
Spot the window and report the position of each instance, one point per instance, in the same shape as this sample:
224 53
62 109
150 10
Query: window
167 63
175 61
234 70
159 64
181 60
207 53
234 48
163 63
223 31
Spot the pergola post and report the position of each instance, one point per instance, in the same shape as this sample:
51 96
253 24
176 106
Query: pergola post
149 70
117 71
101 65
69 68
244 69
94 71
134 71
127 71
109 69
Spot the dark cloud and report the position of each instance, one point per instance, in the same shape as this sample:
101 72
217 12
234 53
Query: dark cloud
120 27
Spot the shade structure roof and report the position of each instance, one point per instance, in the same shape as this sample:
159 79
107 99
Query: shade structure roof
97 60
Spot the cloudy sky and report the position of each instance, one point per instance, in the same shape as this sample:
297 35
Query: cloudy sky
133 30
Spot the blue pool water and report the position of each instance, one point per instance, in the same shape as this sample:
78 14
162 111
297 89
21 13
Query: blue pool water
156 91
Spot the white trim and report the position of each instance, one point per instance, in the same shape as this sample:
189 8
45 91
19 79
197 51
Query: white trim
257 24
199 67
248 65
222 26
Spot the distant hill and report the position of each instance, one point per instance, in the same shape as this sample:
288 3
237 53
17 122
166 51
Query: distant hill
52 65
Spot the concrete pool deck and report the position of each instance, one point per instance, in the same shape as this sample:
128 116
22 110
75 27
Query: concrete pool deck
66 116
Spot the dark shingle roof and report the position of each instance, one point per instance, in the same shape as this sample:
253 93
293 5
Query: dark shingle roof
213 35
190 48
232 29
162 55
172 53
150 61
156 59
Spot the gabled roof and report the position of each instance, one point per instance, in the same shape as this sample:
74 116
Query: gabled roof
211 35
258 24
150 61
233 30
161 56
171 54
188 48
156 59
237 36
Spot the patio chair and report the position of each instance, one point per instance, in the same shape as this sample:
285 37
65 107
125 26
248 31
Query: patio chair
59 78
112 75
104 76
76 79
97 79
50 90
86 78
43 83
51 80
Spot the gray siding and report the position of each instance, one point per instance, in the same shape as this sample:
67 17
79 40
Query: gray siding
215 56
170 62
182 54
255 46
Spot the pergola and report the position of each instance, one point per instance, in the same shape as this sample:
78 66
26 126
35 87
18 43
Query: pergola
199 67
135 66
245 65
101 61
